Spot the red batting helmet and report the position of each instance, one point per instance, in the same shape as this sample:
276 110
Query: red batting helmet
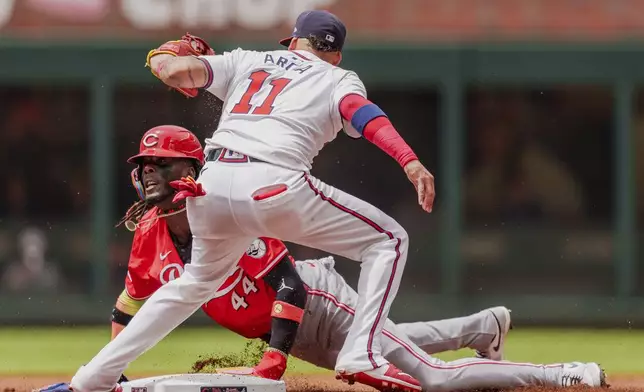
169 141
166 141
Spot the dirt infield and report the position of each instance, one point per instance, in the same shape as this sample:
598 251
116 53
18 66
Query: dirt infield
318 383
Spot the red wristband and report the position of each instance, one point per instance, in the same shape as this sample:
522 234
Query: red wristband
287 311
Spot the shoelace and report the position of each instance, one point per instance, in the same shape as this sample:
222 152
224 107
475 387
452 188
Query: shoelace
568 380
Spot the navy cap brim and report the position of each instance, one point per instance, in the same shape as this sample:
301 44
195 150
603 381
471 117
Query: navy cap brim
286 41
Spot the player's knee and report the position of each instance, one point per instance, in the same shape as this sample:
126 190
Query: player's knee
396 240
401 236
397 235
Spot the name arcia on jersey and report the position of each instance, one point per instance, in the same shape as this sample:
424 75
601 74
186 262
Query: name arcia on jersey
292 64
279 106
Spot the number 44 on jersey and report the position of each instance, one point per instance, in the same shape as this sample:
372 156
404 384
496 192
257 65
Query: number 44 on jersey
239 301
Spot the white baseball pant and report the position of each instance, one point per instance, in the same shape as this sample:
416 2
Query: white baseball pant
227 219
329 314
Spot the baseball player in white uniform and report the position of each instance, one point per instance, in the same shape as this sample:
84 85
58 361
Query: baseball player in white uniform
280 108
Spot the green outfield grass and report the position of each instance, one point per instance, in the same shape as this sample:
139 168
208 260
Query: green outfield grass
30 351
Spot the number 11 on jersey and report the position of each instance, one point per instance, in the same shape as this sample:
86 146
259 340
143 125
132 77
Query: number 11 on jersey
257 80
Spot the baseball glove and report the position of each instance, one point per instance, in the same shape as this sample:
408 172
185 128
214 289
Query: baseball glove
186 187
188 45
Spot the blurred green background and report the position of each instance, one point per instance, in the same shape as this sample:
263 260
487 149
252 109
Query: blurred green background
531 117
59 352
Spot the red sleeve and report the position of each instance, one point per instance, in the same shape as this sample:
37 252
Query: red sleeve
379 131
138 284
262 256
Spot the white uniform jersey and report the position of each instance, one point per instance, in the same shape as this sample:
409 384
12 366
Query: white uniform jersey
281 106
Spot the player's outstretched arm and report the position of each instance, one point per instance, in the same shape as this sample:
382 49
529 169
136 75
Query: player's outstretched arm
288 310
177 64
124 310
374 125
180 72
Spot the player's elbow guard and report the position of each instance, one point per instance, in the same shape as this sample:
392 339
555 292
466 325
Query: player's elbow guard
296 296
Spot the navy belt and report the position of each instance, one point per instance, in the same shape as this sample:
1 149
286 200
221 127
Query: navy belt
229 156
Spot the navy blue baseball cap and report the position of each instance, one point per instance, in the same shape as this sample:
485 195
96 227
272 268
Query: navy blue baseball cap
320 24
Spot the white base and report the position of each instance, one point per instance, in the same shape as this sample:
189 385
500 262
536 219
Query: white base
204 382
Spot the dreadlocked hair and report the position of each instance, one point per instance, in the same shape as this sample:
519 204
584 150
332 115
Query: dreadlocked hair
135 212
320 45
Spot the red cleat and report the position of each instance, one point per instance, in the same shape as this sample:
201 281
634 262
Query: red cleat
387 378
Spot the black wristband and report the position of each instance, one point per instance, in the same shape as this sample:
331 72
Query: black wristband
283 333
288 285
120 317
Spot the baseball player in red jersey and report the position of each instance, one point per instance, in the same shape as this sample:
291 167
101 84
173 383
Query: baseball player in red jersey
303 308
161 249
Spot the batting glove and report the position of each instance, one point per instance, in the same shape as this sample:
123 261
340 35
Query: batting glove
272 365
60 387
186 187
64 387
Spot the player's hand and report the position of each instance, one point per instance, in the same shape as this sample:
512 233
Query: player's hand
59 387
186 187
272 365
64 387
423 181
188 45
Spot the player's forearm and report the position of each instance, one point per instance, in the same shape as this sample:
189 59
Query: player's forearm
374 126
124 310
116 329
288 307
120 318
180 72
283 334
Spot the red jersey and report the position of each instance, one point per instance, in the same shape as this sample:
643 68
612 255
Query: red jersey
242 304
